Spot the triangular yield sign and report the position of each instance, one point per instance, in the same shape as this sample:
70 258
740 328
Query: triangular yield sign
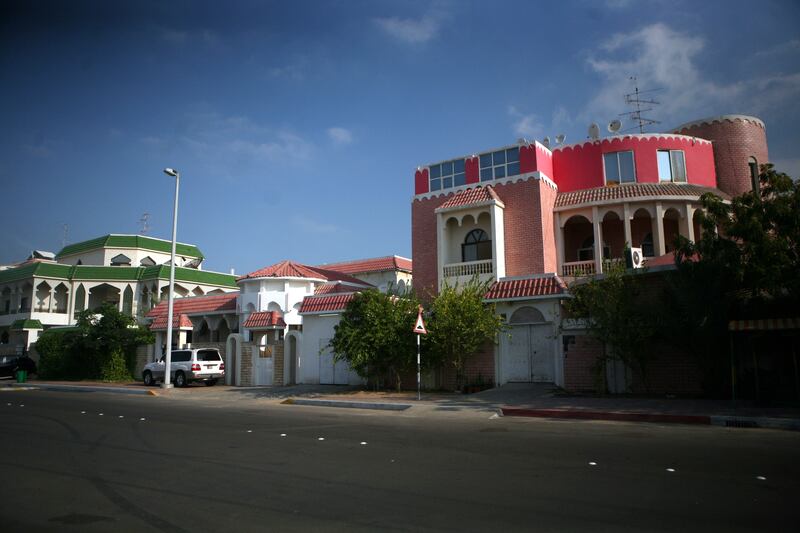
419 327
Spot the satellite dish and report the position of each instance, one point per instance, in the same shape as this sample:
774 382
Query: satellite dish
546 142
560 138
614 126
594 131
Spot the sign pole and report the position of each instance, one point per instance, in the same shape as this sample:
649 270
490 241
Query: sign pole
419 329
419 394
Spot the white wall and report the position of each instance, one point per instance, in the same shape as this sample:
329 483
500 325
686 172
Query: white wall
317 329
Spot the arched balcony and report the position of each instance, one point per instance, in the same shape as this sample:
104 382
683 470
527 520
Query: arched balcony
590 238
470 237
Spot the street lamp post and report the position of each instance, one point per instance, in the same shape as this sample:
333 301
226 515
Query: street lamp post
175 174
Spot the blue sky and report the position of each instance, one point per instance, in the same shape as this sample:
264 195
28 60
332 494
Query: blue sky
297 126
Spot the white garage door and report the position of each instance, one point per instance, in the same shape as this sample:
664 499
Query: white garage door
331 372
528 354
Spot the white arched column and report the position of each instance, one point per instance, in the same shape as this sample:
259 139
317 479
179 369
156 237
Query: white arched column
598 240
687 222
658 231
627 217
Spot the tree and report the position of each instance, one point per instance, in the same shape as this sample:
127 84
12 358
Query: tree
375 335
744 265
460 324
617 318
101 346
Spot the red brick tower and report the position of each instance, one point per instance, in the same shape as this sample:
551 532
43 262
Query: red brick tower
740 146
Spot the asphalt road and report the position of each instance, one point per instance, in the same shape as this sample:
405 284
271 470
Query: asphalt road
102 462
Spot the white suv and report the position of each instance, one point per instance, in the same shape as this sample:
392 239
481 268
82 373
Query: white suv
186 366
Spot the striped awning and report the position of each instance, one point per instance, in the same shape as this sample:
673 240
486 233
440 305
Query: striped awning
764 324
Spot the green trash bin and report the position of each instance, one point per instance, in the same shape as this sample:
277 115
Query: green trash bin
22 376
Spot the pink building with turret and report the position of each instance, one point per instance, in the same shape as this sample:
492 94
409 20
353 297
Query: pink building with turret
532 218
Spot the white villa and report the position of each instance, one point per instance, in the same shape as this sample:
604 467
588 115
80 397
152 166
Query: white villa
128 271
276 330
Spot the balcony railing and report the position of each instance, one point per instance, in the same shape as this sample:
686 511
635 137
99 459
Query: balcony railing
578 268
587 268
470 268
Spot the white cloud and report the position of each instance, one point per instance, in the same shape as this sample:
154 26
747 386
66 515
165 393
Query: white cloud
340 136
223 142
182 37
284 146
665 59
788 47
311 226
413 30
618 4
526 125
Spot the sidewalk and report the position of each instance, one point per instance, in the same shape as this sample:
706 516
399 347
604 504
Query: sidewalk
538 400
545 401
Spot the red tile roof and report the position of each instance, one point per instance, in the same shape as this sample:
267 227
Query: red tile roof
376 264
178 322
335 288
634 190
290 269
478 195
197 305
323 304
265 319
526 288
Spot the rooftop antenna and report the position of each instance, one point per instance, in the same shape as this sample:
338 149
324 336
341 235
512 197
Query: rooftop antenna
144 222
635 100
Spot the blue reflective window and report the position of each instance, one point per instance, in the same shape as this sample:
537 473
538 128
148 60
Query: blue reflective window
447 182
486 174
499 158
447 168
486 160
436 171
458 165
436 184
499 172
512 154
612 168
460 179
513 169
627 172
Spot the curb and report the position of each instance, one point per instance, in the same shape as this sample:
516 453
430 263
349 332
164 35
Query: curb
791 424
348 404
82 388
605 415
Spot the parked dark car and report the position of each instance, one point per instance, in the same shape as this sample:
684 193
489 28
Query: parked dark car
9 364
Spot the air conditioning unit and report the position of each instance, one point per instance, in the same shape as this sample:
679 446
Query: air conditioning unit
634 258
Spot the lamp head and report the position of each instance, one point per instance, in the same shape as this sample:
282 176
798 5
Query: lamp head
171 172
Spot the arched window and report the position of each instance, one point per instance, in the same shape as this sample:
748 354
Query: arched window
476 247
753 164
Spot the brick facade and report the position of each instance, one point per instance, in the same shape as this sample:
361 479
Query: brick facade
580 357
735 140
528 221
424 243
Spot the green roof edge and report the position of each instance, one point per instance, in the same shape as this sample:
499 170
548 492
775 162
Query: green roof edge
130 241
